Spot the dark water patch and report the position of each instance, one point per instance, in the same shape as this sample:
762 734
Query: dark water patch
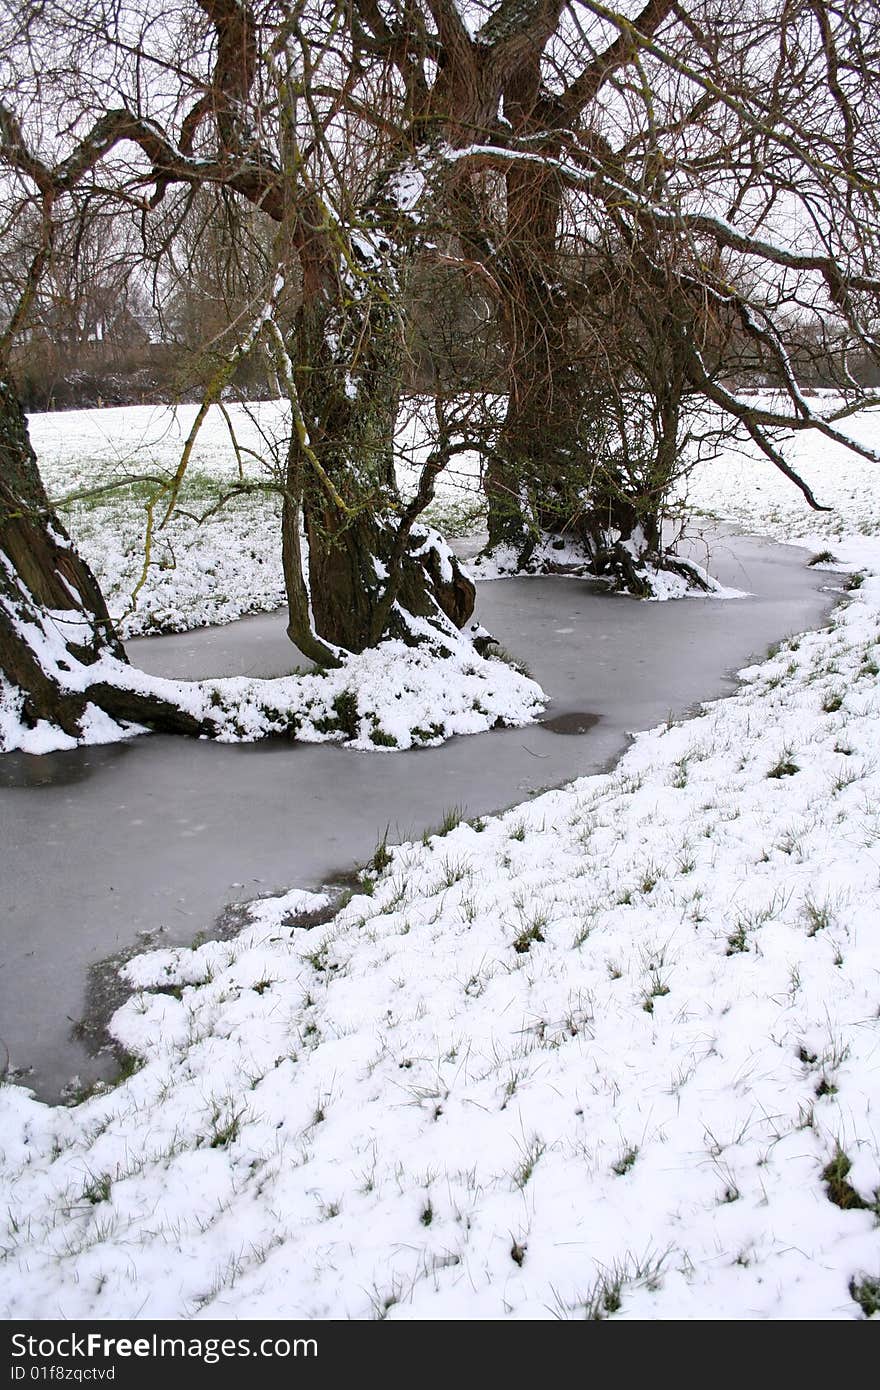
67 768
578 722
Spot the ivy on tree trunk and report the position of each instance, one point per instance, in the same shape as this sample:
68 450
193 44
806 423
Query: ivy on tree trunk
365 571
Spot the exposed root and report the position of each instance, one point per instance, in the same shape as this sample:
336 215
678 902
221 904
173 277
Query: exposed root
618 564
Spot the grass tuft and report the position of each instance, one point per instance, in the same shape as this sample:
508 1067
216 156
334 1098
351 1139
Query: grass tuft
626 1160
783 768
866 1293
452 817
381 856
531 1154
532 931
838 1189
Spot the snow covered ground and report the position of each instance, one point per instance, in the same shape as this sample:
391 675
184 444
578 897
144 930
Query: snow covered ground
215 569
209 571
613 1053
207 565
743 488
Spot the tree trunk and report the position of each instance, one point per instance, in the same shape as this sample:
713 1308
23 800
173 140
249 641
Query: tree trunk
41 573
567 477
544 481
54 624
368 569
589 448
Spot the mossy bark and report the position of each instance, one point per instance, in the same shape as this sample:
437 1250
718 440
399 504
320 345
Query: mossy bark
364 571
565 467
40 570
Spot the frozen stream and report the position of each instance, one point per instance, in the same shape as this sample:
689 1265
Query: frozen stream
100 845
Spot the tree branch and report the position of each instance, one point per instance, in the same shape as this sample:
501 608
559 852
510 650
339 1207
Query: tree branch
586 87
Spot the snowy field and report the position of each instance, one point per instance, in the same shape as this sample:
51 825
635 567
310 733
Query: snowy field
615 1053
742 487
211 566
207 565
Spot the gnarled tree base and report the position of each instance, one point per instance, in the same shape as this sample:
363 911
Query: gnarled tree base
364 581
624 565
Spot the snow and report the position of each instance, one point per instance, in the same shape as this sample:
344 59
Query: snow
606 1054
406 187
392 696
201 573
743 488
558 555
43 737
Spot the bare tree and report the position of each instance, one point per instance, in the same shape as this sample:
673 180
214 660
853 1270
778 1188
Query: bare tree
659 185
723 153
233 100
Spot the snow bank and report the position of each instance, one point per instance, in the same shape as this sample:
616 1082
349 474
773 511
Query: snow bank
390 697
556 555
